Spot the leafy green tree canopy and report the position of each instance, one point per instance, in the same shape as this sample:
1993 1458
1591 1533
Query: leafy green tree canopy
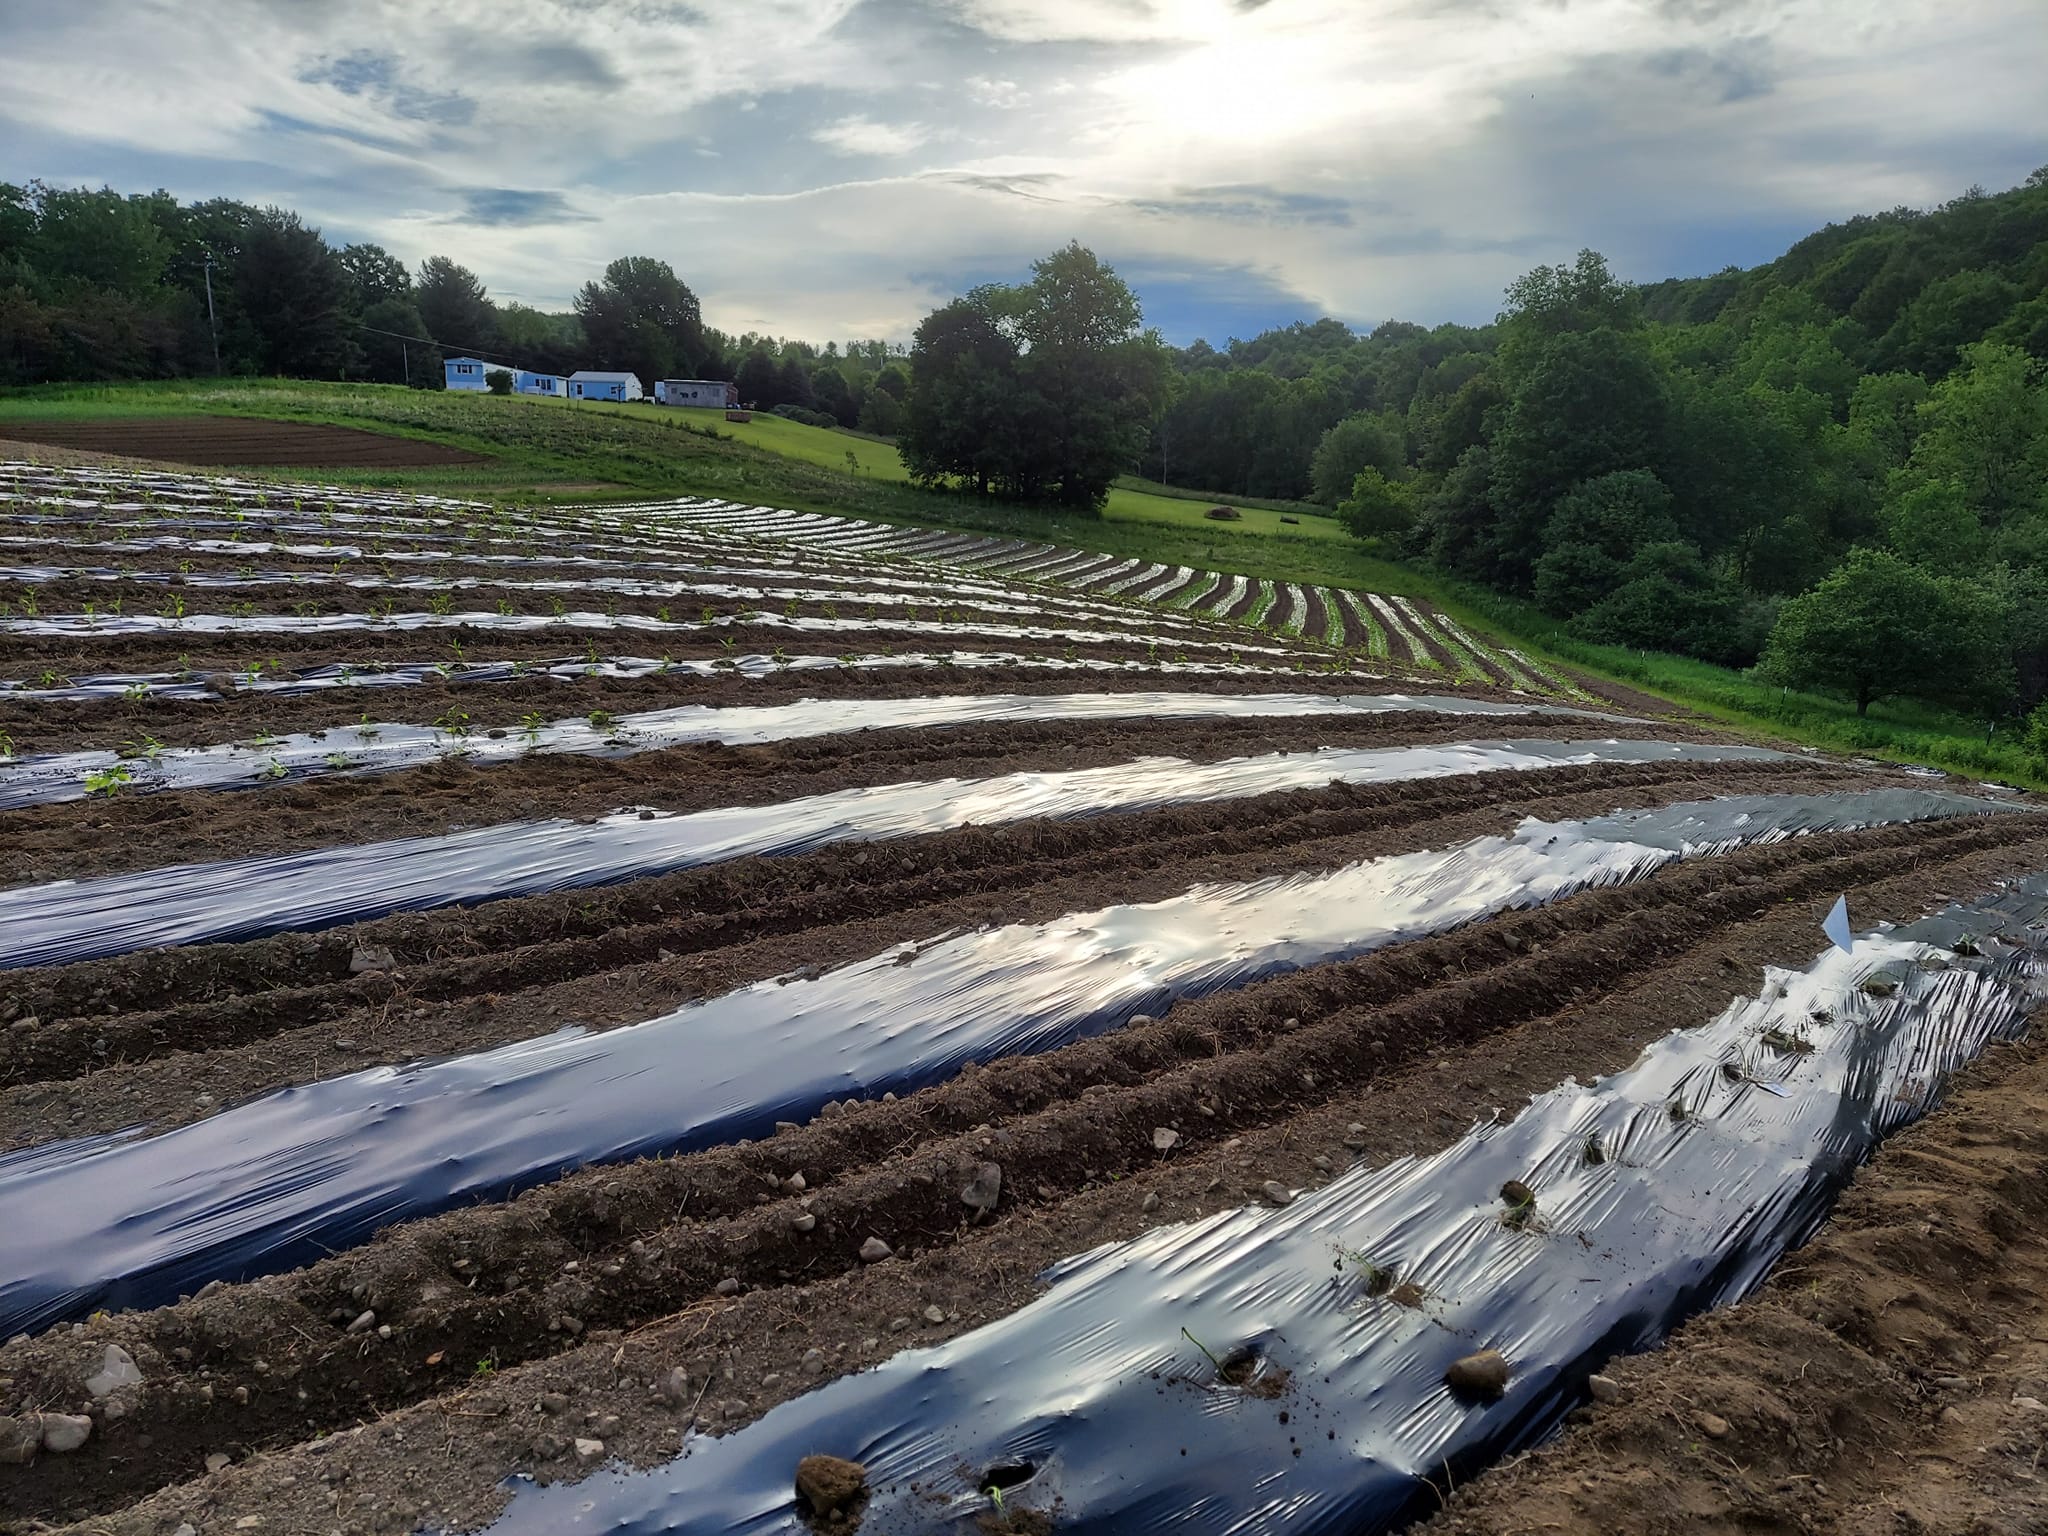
1360 441
1879 627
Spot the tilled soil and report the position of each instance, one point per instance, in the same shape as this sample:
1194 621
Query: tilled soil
568 1312
118 724
104 835
229 1020
231 440
397 1383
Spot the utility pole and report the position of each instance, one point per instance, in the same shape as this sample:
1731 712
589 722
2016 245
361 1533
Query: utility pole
211 325
405 357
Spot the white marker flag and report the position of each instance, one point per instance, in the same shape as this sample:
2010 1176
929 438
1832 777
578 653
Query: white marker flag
1836 924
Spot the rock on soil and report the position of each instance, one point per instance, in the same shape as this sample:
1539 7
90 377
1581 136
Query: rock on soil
64 1432
117 1370
987 1186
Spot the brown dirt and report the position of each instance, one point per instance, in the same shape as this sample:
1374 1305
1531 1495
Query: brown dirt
135 830
237 441
567 1311
110 724
161 1035
1418 1042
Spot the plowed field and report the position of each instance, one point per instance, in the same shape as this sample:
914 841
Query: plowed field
543 1020
209 440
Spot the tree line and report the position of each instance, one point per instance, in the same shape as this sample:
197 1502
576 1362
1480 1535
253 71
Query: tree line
1834 466
98 284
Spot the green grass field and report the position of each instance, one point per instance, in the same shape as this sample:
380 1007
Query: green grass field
545 448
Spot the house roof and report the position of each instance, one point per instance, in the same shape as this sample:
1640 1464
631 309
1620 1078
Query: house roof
447 361
603 378
711 383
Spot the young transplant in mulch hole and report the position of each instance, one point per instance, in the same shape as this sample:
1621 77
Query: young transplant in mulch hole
1379 1278
1520 1201
1244 1369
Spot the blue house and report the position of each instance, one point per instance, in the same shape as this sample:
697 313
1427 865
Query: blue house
586 385
526 382
466 372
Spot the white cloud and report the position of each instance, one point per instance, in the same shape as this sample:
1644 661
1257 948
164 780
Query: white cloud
1001 94
864 136
1394 157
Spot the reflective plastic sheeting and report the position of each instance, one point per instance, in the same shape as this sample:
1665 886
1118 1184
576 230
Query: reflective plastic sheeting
124 1221
1668 1189
240 899
381 747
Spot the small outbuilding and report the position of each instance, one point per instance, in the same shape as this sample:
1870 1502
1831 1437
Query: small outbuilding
586 385
710 394
466 372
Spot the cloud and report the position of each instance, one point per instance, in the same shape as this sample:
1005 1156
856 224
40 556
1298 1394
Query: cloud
1241 163
859 135
1001 94
510 206
1249 204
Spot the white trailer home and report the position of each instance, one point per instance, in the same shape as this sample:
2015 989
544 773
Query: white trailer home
586 385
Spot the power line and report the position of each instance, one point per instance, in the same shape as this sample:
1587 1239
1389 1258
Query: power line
476 352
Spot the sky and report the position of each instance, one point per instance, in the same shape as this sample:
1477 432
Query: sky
831 169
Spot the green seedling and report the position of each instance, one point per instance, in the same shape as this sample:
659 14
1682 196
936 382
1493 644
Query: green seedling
272 770
6 744
339 761
1379 1278
455 722
602 722
1786 1043
1204 1349
108 781
1520 1202
366 730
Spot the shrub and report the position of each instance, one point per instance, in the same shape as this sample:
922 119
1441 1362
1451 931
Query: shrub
499 380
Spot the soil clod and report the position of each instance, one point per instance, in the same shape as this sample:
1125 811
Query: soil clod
1480 1377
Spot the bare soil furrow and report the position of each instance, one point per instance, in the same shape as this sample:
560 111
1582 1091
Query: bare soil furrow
127 831
114 724
141 1037
626 1265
